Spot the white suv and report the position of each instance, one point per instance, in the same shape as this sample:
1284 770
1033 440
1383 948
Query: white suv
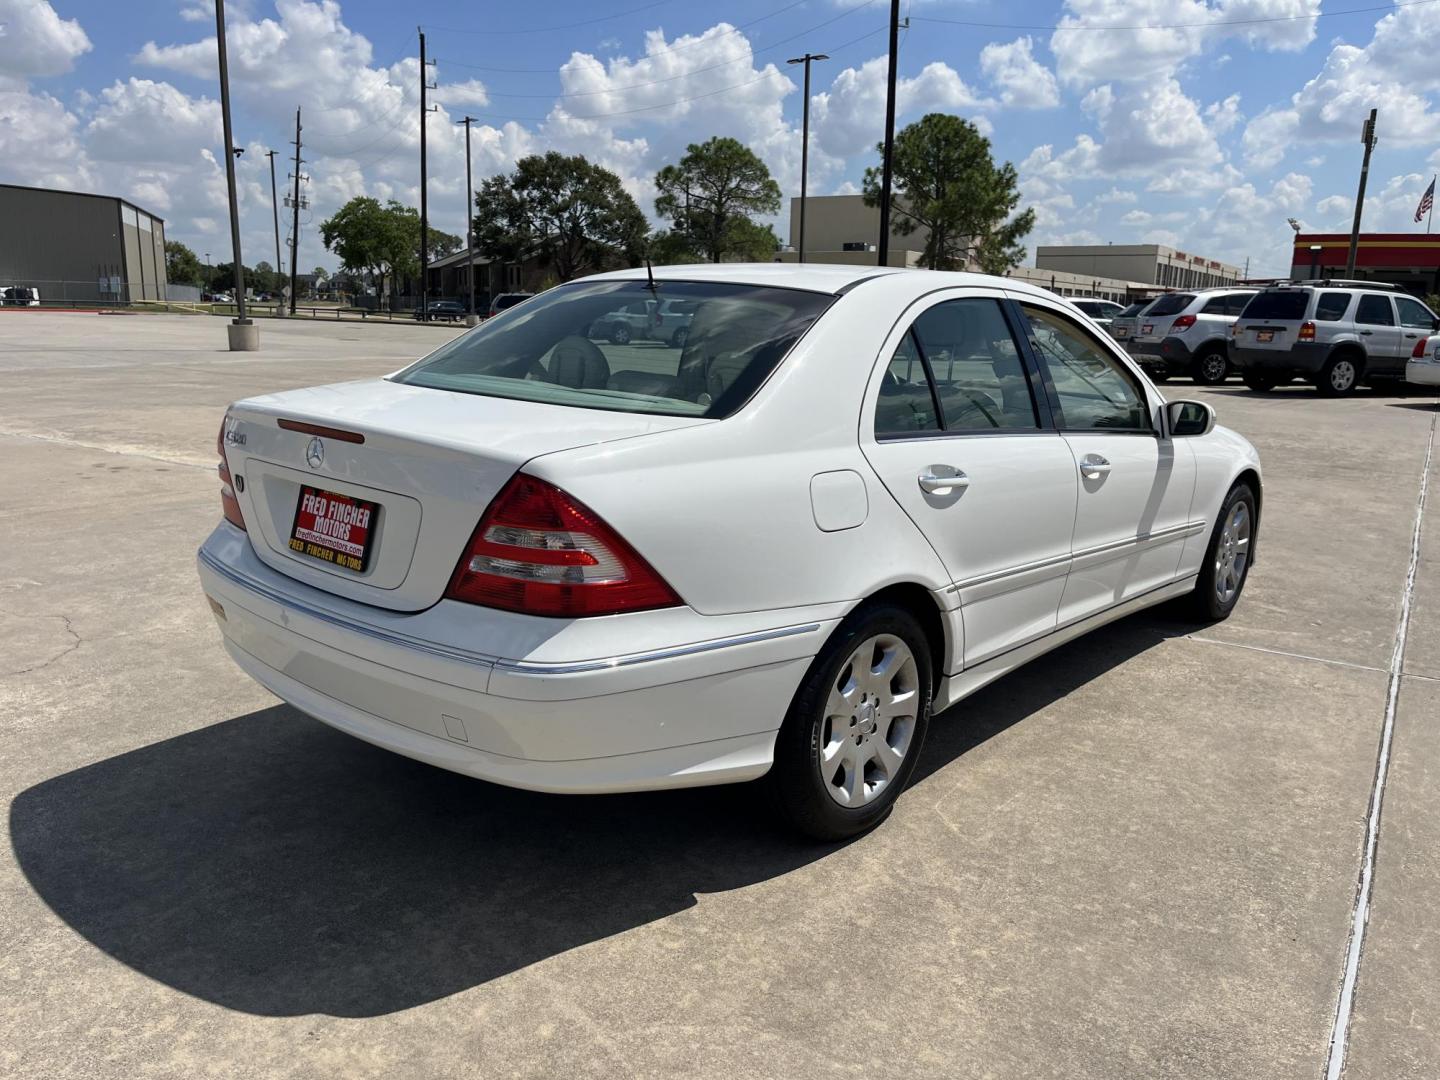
1336 334
1185 333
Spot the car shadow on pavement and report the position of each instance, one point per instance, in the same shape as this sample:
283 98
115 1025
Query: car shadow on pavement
272 865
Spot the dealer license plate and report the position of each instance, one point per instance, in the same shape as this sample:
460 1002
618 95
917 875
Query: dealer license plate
334 528
1148 328
1264 336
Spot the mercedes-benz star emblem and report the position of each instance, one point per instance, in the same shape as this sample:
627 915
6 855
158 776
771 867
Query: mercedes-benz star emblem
315 453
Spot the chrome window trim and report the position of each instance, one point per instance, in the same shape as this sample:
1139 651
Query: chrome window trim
523 667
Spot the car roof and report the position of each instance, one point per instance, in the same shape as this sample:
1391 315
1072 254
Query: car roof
821 277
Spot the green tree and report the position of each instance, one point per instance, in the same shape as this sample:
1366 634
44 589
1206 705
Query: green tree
946 183
266 278
181 265
712 195
368 238
573 214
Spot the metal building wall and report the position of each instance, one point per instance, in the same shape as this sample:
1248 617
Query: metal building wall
72 246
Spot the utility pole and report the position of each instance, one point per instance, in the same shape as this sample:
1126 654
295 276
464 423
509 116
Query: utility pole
805 145
244 335
295 220
1367 136
470 319
425 87
889 134
275 207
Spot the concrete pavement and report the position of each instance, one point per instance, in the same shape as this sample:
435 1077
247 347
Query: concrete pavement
1136 857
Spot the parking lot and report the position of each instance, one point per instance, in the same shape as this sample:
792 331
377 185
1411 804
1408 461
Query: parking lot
1137 857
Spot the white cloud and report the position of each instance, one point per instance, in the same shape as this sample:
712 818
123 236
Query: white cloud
140 121
1023 82
37 42
846 119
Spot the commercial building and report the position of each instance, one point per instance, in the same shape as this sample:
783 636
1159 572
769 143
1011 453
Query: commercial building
1152 264
75 247
1410 260
842 229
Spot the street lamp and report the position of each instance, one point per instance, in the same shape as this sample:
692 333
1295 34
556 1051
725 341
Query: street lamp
209 277
807 59
1294 225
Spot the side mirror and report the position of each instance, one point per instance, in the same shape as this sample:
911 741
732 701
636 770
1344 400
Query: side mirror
1189 418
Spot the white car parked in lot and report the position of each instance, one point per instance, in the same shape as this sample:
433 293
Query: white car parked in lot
1423 367
855 496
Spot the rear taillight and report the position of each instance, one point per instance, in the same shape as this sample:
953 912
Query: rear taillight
1419 351
1307 332
539 551
228 503
1183 322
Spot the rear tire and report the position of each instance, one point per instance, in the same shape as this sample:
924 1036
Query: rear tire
1228 557
855 728
1211 368
1339 376
1259 381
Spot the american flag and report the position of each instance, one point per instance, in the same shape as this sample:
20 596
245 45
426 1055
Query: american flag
1426 202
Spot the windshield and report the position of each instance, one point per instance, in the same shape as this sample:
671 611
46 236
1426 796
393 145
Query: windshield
605 345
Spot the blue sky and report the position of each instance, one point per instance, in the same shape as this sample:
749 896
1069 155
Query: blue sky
1203 125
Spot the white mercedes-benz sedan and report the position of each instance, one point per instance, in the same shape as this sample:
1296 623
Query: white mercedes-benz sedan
846 498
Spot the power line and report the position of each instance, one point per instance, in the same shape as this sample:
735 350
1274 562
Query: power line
1175 26
563 26
750 55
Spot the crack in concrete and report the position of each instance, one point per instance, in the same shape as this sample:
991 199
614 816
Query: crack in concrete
69 629
104 448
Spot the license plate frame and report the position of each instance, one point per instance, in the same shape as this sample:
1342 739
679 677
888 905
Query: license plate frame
345 537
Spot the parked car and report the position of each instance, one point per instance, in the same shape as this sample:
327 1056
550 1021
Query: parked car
1336 334
438 310
1101 311
19 296
667 321
1186 333
1123 323
854 497
1423 367
507 300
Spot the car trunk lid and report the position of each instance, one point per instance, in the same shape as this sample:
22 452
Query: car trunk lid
424 462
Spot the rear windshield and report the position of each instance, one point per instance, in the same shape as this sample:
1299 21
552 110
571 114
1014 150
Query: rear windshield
509 300
1171 304
1133 309
1277 305
562 349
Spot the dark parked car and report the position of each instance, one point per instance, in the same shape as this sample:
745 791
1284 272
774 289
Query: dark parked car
449 310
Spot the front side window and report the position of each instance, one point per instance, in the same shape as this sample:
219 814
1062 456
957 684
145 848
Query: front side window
1331 306
1092 387
1375 311
558 348
1413 314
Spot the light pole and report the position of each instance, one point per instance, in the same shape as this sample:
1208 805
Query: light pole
884 254
470 319
805 144
209 277
244 334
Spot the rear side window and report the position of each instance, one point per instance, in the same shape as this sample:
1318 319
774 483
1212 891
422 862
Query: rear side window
1277 305
1413 314
551 349
1171 304
907 400
972 357
1216 305
1331 306
1235 302
1375 311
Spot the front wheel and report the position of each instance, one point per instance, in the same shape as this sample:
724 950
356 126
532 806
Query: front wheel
620 334
850 741
1211 369
1228 558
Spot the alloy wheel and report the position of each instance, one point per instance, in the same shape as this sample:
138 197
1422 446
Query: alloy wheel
869 721
1212 368
1342 375
1232 554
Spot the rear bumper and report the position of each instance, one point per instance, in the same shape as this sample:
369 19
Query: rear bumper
1170 355
1422 372
1302 357
701 709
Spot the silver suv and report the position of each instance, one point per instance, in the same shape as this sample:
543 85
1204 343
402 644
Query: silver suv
1185 333
1335 334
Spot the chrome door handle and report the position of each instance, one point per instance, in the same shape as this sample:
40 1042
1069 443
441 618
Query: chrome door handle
1093 466
938 479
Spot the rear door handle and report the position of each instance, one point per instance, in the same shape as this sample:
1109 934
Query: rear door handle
1366 333
938 479
1093 466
